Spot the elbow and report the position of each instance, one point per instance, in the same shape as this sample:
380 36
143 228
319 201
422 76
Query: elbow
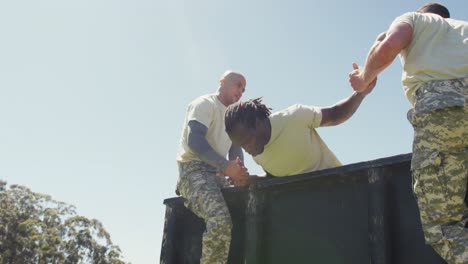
333 117
337 121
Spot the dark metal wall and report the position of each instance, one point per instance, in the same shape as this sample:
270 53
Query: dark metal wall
359 213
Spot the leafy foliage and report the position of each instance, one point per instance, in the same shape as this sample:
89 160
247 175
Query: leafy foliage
34 228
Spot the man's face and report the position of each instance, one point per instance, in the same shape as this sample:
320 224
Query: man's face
234 87
248 139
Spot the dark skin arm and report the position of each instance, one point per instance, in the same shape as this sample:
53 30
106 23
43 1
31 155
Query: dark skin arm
344 109
387 46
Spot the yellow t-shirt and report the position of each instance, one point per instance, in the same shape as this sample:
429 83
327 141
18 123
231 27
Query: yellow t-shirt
209 111
438 50
295 147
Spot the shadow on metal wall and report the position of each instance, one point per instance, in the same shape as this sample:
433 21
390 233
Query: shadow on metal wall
358 213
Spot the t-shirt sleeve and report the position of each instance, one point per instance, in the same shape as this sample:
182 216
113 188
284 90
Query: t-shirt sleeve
202 111
407 18
309 115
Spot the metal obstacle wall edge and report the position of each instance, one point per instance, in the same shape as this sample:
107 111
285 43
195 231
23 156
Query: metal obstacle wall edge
358 213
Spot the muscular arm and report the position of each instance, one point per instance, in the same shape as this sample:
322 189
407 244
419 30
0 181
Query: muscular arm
198 144
383 52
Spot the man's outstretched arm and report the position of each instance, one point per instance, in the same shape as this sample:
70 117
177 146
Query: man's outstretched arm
344 109
381 55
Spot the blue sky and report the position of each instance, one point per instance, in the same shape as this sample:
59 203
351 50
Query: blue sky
93 93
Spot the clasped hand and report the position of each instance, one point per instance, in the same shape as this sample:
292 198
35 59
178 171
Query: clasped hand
237 172
356 79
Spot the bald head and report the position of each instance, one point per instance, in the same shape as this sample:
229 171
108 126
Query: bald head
232 75
231 87
434 8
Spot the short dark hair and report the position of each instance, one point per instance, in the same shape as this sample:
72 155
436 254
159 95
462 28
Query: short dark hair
245 113
434 8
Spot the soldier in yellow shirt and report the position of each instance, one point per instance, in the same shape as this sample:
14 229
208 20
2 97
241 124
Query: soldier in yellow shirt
206 151
434 53
286 143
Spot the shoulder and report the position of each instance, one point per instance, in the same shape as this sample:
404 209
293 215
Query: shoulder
424 19
457 23
408 18
201 107
203 101
299 113
301 109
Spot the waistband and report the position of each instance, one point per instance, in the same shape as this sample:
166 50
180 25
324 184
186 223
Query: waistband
461 82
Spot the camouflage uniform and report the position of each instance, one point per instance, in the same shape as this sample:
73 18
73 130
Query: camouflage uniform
201 188
440 165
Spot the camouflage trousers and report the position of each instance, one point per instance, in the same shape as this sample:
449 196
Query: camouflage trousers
201 188
440 173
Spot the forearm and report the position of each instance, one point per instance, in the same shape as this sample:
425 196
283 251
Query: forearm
236 151
342 110
199 145
208 155
385 49
379 58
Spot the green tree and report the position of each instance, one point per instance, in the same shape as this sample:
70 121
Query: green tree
34 228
